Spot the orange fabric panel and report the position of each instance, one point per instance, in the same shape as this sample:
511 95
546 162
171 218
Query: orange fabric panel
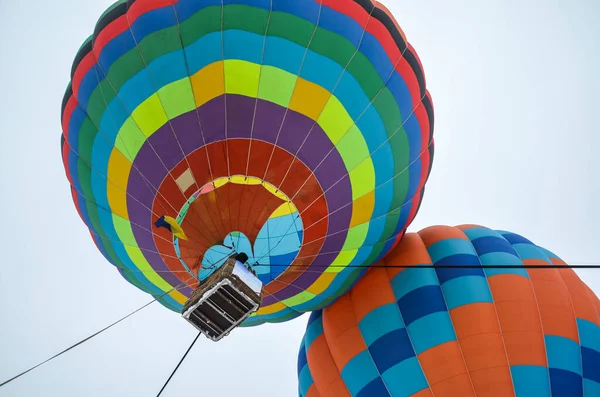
248 205
511 287
170 195
475 319
336 388
260 153
469 226
342 332
208 84
423 393
411 251
198 162
459 385
305 197
362 209
243 197
556 309
278 166
297 176
217 202
559 322
558 261
324 280
309 99
493 382
536 262
174 263
519 319
522 331
584 307
434 234
482 346
263 210
238 152
314 213
442 362
393 272
316 233
217 153
315 236
212 224
276 285
372 291
325 373
484 351
479 335
525 348
312 391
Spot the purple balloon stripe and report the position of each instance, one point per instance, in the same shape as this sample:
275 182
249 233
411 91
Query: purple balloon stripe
267 125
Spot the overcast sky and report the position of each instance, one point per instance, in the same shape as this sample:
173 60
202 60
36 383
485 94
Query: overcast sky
514 87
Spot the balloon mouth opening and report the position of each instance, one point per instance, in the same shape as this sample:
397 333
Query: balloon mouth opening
275 246
237 180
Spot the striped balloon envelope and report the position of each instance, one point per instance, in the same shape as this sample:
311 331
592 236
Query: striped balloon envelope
300 129
419 327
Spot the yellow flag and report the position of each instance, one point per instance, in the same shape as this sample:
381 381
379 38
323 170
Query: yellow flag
175 228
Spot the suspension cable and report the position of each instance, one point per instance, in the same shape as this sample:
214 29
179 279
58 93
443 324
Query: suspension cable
177 367
89 337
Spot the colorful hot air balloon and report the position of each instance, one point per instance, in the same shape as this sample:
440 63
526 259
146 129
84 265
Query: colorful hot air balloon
300 128
459 332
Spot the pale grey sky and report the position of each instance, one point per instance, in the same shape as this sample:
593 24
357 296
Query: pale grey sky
514 87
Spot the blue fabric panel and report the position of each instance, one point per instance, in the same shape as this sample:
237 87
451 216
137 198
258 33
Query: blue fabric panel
413 279
589 334
565 383
430 331
591 364
391 349
374 389
405 379
530 381
380 322
466 290
421 302
563 354
359 372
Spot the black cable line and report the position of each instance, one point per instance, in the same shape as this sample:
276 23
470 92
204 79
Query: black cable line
548 266
89 337
177 367
426 266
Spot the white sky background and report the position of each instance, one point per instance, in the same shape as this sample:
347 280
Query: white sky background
515 91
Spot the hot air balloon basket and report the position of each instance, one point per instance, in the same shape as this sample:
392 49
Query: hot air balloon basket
224 300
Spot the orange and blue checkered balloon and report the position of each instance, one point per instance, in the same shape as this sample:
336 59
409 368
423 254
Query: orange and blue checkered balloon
411 329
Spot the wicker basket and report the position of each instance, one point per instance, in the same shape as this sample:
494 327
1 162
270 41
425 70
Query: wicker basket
223 301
